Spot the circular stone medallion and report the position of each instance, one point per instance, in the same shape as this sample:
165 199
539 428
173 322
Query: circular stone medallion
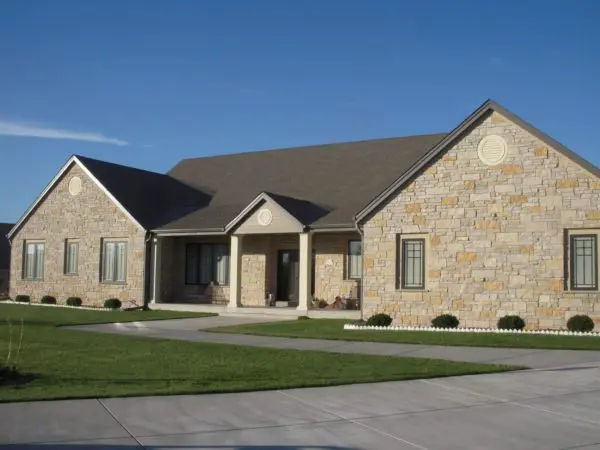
265 217
492 150
75 186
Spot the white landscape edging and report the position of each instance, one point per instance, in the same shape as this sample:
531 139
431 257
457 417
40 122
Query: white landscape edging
12 302
349 326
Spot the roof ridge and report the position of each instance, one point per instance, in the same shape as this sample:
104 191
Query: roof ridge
304 147
83 159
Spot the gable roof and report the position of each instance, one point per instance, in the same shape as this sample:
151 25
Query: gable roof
149 199
486 108
5 245
323 186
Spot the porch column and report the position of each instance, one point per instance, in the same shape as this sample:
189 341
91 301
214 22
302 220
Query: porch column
156 265
235 273
305 271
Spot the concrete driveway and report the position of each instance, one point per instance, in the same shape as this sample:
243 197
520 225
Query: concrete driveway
547 409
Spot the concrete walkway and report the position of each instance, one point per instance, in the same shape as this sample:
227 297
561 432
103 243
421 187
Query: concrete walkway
187 330
542 409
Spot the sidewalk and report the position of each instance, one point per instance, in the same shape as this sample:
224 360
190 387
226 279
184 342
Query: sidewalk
187 330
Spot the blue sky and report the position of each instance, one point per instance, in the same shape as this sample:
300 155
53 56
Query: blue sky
147 83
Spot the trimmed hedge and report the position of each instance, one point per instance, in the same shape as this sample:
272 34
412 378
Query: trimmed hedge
379 320
22 298
580 322
112 303
511 323
48 300
445 321
74 301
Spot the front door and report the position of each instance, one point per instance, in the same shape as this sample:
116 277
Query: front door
288 273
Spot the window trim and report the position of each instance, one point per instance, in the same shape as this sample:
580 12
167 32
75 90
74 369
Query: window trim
103 255
35 242
349 254
572 238
199 245
400 276
69 242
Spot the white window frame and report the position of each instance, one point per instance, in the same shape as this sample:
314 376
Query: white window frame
70 267
110 269
38 266
349 265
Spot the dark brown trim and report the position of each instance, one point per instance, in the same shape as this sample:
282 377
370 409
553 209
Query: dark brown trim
403 286
486 108
572 262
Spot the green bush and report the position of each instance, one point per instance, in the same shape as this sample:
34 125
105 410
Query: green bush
580 323
22 298
74 301
112 303
379 320
511 323
48 300
303 317
445 321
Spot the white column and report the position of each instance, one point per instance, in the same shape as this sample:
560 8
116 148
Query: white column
156 266
304 293
235 273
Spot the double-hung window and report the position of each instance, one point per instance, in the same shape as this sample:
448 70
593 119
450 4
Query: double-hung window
207 263
33 261
584 262
411 263
354 260
71 257
114 261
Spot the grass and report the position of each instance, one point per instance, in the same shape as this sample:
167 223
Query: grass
63 364
333 329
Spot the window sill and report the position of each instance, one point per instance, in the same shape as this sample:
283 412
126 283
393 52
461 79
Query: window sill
114 283
412 290
32 279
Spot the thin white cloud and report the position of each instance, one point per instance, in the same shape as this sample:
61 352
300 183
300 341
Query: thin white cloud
9 128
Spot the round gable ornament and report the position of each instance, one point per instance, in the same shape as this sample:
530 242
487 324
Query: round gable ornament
265 217
75 186
492 150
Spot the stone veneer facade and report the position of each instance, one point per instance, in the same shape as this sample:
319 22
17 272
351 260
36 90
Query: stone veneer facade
88 218
494 235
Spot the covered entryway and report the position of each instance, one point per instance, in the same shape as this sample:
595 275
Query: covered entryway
288 275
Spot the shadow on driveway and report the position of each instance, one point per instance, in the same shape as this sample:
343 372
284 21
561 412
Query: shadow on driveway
59 446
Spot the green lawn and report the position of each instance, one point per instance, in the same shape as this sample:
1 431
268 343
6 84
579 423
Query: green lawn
78 364
334 329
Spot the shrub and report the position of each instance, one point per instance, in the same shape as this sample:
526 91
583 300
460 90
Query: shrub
445 321
580 323
379 320
303 317
48 300
112 303
511 323
22 298
74 301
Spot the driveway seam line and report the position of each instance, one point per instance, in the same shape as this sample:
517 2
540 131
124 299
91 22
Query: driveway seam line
107 409
513 402
354 421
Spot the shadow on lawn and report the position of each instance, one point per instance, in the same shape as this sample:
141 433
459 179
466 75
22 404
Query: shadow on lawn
174 447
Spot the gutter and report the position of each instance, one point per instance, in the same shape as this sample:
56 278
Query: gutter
362 271
147 267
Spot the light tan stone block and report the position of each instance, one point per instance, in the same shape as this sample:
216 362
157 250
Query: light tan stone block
493 286
567 183
435 240
518 199
593 215
497 118
449 201
469 185
435 273
556 284
541 151
449 157
537 209
526 249
413 208
511 169
487 225
466 257
419 220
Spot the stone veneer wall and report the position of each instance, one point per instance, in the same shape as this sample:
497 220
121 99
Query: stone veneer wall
494 235
88 217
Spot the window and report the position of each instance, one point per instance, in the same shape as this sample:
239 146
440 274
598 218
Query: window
33 261
206 263
114 262
354 259
412 263
71 257
584 262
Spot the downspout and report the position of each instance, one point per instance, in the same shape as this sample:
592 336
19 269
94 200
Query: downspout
362 270
147 267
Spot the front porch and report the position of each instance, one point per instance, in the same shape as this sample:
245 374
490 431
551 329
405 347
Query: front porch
291 274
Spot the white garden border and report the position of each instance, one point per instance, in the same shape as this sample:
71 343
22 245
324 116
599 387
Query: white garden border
350 327
12 302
